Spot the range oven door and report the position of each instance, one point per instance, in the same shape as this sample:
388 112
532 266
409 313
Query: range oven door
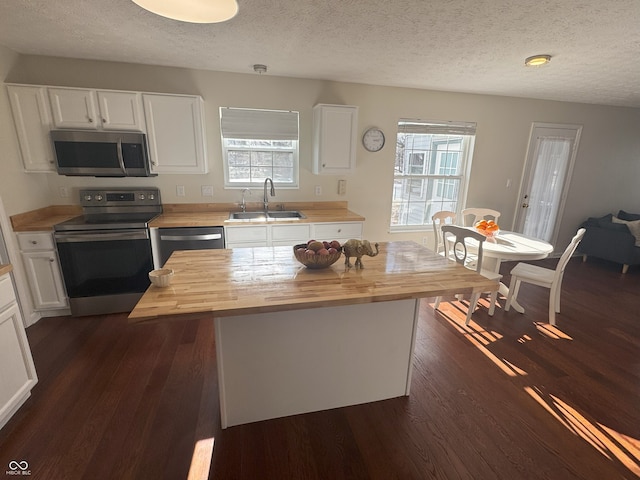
108 265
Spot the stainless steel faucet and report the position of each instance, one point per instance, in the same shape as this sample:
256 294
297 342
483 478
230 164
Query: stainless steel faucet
243 205
266 198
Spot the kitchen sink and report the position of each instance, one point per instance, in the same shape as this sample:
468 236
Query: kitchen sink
260 216
284 215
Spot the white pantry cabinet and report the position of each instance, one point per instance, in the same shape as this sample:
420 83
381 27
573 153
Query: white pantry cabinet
334 139
96 109
17 371
175 133
32 119
41 262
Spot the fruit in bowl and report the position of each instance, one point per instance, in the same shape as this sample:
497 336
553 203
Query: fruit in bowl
487 227
316 254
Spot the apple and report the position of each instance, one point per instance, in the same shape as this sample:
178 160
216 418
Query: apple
323 251
326 244
310 242
335 244
308 251
332 250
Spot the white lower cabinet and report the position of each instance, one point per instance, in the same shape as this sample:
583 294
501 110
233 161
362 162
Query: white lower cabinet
41 263
17 371
340 231
283 235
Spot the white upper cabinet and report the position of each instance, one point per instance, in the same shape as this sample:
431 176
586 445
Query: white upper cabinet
74 108
96 109
175 133
32 118
334 139
121 110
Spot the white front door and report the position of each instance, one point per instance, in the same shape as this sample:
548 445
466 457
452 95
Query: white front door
545 182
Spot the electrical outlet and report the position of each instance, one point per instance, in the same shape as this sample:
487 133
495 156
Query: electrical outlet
207 190
425 240
64 192
342 187
318 190
180 191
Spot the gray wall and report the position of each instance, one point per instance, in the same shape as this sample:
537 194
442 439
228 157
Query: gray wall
605 177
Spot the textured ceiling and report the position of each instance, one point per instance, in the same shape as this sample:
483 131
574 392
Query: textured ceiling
475 46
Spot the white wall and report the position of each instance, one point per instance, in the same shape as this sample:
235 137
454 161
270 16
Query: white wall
605 177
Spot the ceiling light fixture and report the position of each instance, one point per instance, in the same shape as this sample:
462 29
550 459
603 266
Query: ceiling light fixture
193 11
537 60
258 68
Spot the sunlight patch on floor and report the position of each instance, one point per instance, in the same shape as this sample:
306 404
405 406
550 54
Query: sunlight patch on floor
481 338
201 459
608 442
552 331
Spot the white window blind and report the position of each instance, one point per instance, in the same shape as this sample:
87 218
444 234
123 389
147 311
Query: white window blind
258 124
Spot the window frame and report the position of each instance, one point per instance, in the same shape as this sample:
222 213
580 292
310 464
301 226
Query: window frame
259 127
440 181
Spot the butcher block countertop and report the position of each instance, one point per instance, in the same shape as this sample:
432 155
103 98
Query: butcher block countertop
193 215
5 268
215 215
242 281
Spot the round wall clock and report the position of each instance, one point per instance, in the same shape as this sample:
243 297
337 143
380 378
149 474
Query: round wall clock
373 139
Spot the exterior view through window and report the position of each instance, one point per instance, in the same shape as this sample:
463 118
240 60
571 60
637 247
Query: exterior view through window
257 144
431 171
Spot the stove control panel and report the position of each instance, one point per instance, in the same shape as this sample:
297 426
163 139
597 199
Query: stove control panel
119 197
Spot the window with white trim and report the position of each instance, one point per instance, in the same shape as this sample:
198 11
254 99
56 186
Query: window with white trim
257 144
431 171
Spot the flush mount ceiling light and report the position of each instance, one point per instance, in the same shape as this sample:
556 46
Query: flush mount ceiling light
537 60
193 11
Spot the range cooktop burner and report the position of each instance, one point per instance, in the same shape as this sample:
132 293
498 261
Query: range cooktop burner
114 209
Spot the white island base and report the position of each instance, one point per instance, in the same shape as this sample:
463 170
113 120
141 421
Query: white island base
278 364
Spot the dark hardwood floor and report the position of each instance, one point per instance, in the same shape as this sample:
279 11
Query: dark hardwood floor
509 397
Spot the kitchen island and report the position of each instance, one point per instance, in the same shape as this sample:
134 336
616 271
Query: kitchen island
292 340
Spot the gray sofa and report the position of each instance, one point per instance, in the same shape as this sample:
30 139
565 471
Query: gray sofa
607 239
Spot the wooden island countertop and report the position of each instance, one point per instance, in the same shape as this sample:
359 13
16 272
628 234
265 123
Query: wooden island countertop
241 281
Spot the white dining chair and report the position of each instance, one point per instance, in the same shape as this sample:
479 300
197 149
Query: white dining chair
543 277
439 219
455 241
477 214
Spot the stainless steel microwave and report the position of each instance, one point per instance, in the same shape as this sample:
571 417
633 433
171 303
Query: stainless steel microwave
101 154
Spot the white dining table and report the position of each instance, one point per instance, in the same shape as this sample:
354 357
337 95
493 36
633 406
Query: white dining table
510 246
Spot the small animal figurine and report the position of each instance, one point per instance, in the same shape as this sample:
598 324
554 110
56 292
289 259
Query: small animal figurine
357 248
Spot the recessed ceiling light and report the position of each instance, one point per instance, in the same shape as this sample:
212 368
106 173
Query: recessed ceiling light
537 60
193 11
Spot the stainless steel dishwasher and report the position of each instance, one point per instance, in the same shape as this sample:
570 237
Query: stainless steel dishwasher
188 238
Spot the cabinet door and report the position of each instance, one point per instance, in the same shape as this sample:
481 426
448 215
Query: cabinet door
337 231
17 371
121 111
249 236
74 108
175 132
45 279
334 139
32 118
290 234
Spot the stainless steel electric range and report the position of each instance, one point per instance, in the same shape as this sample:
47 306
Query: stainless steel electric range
105 253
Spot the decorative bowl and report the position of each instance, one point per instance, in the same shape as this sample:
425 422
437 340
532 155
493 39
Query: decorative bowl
315 261
161 277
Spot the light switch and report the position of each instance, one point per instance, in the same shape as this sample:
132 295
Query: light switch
180 192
